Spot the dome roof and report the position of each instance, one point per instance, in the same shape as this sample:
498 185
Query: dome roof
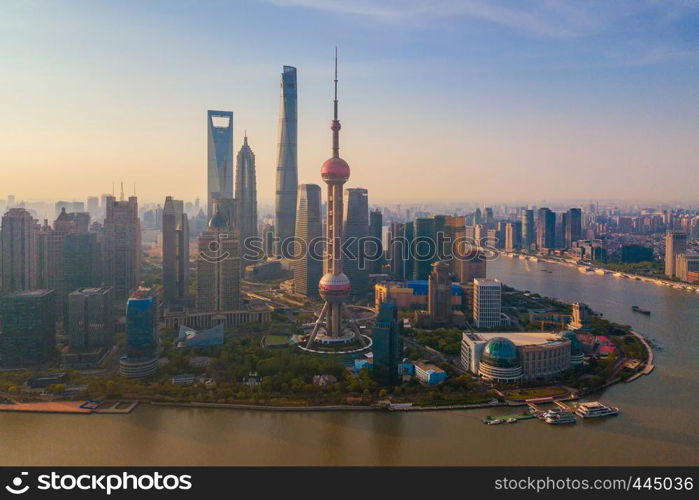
575 345
335 169
500 352
218 221
334 284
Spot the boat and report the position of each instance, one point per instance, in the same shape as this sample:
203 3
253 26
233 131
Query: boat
512 420
595 409
640 310
496 421
562 417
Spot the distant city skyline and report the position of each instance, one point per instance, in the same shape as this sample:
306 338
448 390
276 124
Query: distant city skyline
458 101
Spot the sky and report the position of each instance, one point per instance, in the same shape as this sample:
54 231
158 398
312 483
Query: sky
453 100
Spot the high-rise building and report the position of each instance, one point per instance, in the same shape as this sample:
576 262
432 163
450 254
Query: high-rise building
28 319
18 253
439 294
487 303
572 226
686 266
141 338
175 252
287 169
334 287
424 247
93 206
513 236
545 229
90 323
220 156
388 345
356 230
470 262
528 229
376 249
246 192
675 244
308 252
121 246
82 260
397 250
218 266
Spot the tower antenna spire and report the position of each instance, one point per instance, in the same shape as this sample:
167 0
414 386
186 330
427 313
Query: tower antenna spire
121 198
336 122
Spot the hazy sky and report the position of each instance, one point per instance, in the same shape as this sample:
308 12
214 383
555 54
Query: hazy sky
457 99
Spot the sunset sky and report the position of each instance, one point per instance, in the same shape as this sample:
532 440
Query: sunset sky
439 99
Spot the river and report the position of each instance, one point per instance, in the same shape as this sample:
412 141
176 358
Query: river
659 424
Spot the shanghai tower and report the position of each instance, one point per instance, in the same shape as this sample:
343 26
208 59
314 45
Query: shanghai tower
287 174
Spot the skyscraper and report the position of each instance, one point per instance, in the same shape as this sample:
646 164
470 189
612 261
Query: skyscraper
218 266
246 191
397 250
141 338
175 252
18 254
220 156
376 232
487 303
572 227
334 287
675 244
388 345
528 229
545 228
424 247
121 246
439 294
28 319
356 230
90 320
308 252
287 169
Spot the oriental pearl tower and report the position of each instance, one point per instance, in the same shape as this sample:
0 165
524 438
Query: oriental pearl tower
334 286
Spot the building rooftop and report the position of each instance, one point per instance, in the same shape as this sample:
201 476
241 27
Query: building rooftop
517 338
38 292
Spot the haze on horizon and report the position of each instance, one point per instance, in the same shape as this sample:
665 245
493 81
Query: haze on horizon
439 99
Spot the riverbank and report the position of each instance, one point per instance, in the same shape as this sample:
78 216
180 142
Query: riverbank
591 268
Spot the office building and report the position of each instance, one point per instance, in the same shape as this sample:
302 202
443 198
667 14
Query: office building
287 168
141 338
424 247
175 231
686 266
470 262
28 336
572 226
121 246
308 252
218 266
18 253
374 249
528 229
487 303
675 244
388 345
513 356
219 156
545 229
428 373
397 250
439 298
356 230
246 192
90 324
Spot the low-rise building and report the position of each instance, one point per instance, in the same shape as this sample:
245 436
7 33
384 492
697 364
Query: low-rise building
428 373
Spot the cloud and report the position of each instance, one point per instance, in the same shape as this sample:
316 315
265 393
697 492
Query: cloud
545 18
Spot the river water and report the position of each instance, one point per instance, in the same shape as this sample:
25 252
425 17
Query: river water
658 424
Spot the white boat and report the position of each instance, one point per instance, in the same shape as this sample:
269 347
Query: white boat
496 421
595 409
563 417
